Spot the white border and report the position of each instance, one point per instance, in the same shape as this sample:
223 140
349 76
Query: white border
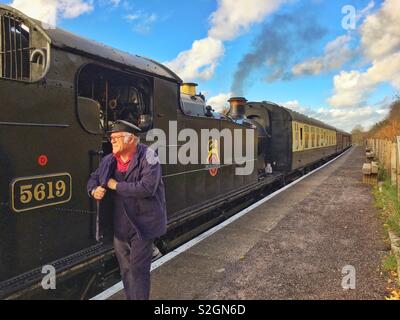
159 262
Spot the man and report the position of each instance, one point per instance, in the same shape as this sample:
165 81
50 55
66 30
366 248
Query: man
132 173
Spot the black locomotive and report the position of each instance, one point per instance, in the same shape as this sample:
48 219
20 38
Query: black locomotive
58 95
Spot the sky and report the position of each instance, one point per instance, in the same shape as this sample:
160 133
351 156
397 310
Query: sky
337 61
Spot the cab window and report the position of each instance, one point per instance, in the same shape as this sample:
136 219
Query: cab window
23 49
117 95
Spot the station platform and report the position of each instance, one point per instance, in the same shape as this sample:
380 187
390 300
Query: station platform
293 246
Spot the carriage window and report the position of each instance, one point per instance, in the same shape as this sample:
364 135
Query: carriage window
322 138
312 137
301 137
307 136
23 50
120 96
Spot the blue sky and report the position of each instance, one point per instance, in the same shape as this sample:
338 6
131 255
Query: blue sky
293 52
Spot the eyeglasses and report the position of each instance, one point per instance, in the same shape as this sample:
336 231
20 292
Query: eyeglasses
115 138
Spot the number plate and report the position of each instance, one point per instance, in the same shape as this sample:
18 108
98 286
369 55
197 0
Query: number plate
40 191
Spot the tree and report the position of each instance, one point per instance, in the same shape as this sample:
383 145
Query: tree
358 134
389 127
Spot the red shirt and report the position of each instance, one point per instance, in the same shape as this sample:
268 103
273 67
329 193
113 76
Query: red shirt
121 165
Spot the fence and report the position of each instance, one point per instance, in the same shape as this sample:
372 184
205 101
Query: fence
387 153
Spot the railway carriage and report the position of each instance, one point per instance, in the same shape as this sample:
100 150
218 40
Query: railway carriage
294 141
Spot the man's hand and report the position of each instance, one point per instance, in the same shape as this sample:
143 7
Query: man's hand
99 193
112 184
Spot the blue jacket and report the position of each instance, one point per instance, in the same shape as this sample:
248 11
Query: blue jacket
141 196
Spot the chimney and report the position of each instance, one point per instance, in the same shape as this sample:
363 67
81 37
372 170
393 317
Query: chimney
189 88
237 107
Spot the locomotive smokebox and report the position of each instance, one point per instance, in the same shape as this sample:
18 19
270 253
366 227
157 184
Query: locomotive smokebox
237 107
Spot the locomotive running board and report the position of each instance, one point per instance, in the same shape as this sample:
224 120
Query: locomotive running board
28 282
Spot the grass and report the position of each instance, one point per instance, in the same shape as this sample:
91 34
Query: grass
390 263
386 199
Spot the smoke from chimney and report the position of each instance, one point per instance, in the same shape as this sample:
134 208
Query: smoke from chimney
279 42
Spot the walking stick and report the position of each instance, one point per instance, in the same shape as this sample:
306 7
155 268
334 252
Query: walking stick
98 221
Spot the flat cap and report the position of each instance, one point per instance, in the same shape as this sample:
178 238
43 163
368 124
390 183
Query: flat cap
123 126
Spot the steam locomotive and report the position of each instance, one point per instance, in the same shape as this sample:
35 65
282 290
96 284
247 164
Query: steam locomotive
59 93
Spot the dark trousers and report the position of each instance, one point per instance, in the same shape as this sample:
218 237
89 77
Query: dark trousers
134 258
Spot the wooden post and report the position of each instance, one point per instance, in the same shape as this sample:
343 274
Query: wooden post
393 163
398 166
374 144
387 157
380 151
384 155
377 148
390 156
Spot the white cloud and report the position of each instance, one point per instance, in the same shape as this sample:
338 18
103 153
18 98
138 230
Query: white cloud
48 11
200 61
296 106
365 11
235 17
345 119
292 104
231 19
73 8
220 101
143 21
132 17
337 53
380 44
380 32
353 88
350 89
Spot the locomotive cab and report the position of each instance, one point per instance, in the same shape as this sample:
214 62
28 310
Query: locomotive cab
119 96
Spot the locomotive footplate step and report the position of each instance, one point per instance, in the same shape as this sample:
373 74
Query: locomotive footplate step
293 246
